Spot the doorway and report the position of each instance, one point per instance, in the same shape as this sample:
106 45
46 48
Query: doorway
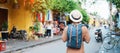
3 17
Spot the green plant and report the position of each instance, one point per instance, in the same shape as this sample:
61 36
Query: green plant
115 2
61 5
85 15
39 6
36 27
4 26
31 28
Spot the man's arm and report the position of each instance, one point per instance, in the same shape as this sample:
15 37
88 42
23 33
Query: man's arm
64 35
86 36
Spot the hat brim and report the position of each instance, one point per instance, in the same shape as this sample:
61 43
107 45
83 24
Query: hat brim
71 18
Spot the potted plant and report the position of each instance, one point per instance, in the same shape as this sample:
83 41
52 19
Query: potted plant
4 31
4 26
36 26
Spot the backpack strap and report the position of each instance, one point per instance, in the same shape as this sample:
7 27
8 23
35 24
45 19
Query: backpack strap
78 26
77 36
70 33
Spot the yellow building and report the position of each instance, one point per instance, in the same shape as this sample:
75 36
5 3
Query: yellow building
19 17
91 21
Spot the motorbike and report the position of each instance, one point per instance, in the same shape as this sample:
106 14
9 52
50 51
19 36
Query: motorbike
21 34
98 35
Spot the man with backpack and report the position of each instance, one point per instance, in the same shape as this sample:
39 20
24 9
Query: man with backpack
75 34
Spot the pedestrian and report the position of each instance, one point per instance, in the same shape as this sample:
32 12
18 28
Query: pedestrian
49 27
75 33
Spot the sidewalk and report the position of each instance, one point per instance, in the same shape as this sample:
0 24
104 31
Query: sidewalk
14 45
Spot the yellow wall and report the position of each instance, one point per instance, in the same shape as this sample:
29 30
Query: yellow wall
21 18
7 6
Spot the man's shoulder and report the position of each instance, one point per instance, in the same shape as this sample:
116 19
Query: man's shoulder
84 27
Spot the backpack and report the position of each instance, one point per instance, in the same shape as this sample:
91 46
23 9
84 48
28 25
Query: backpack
74 36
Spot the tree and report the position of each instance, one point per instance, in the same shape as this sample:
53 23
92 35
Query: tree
61 5
66 6
39 5
115 2
85 16
84 13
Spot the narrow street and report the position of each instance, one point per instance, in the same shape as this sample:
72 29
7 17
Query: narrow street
60 47
35 26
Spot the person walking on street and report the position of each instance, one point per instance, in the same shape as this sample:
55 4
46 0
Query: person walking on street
75 33
49 27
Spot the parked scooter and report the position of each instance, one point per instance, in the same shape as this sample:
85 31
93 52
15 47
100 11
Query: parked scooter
22 34
13 33
98 35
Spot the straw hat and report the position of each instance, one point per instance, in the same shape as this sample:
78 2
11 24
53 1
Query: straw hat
76 16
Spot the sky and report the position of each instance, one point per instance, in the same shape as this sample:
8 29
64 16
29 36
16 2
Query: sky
101 7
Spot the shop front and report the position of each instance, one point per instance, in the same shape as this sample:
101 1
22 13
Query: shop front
15 13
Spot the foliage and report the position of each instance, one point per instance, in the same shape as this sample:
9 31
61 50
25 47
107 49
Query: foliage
5 26
113 18
85 16
61 5
37 27
39 5
31 28
116 2
84 13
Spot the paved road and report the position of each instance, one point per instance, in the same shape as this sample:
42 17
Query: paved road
60 47
55 47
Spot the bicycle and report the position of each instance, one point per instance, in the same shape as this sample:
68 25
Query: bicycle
111 40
